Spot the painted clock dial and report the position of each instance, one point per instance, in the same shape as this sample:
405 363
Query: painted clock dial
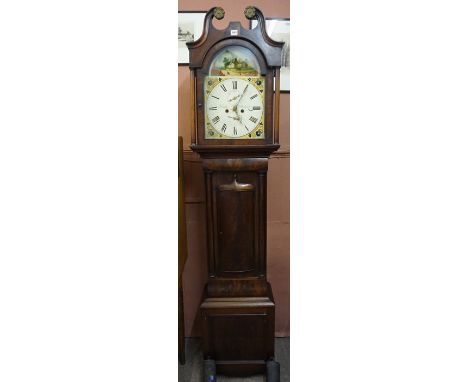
234 107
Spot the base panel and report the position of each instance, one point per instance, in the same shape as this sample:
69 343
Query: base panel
241 368
238 333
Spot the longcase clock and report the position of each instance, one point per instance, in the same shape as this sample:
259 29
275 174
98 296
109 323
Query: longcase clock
235 108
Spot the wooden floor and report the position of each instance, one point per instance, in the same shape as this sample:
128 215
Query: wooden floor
192 371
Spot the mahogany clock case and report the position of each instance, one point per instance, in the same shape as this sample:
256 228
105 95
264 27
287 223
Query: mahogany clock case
238 309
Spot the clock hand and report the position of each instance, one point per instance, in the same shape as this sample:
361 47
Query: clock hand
235 108
243 93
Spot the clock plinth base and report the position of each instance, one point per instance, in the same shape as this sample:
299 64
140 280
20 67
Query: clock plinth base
238 333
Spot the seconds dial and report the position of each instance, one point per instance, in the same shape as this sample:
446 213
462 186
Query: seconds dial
234 107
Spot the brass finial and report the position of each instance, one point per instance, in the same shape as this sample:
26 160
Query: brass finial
219 13
250 12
